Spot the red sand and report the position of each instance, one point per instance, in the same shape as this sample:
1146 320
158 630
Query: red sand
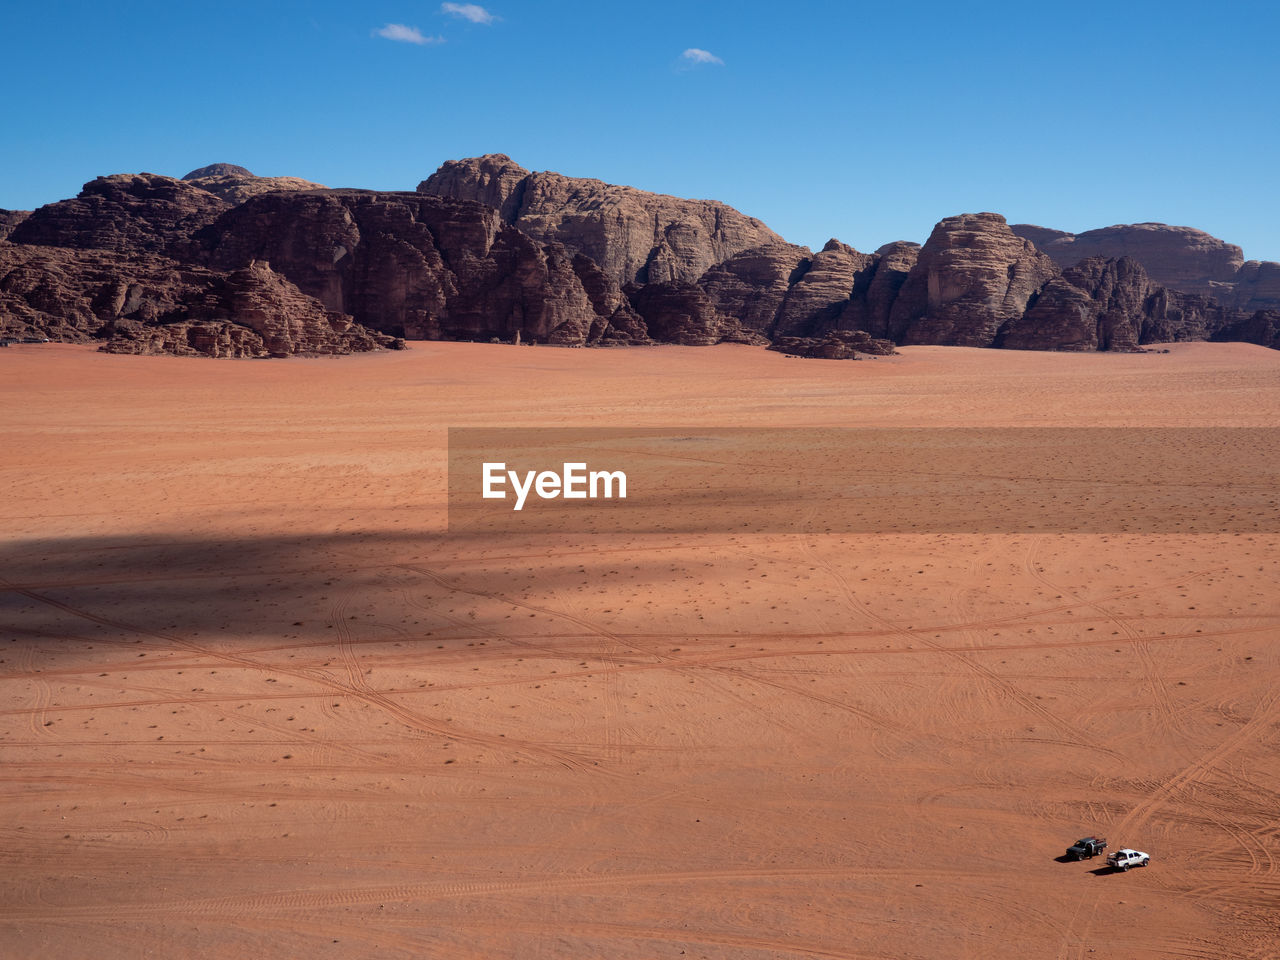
257 703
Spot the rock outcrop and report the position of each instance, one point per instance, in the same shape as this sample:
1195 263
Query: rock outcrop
145 303
1180 258
682 313
235 184
635 236
9 220
425 267
972 276
1262 327
225 263
1096 305
835 345
817 299
1256 287
1112 305
127 213
876 288
273 318
751 286
218 170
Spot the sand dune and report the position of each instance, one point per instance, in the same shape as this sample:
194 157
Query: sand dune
257 701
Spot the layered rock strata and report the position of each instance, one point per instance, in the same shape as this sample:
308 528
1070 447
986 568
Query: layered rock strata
972 276
635 236
152 304
425 267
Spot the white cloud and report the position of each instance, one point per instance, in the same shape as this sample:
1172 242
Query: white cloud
468 11
398 31
694 55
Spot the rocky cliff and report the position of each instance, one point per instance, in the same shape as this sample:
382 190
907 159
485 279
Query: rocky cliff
9 220
751 286
225 263
1262 327
424 267
146 303
972 275
818 298
876 288
635 236
1180 258
127 213
682 313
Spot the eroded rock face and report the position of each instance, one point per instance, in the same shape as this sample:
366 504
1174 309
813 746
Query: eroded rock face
876 288
635 236
1112 305
751 286
1181 258
236 184
972 276
145 303
532 289
817 299
425 267
1256 287
682 313
227 263
1172 316
1096 305
127 213
1261 327
9 220
617 322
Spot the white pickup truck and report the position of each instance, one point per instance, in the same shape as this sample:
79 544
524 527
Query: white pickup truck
1126 858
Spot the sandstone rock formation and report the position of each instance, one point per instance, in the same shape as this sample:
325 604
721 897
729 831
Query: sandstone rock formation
235 184
1262 326
973 274
424 267
876 288
682 313
1097 305
145 303
225 263
218 170
835 345
1112 305
273 318
1180 258
751 286
9 219
1256 287
126 213
816 300
634 236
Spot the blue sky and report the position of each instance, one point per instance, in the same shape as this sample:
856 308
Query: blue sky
864 121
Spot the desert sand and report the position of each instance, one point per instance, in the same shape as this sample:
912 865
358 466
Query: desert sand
257 702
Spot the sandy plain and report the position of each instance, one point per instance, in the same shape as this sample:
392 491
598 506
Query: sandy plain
256 702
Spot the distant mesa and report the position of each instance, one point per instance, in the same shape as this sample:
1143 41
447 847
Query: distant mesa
1180 258
218 170
235 184
228 264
